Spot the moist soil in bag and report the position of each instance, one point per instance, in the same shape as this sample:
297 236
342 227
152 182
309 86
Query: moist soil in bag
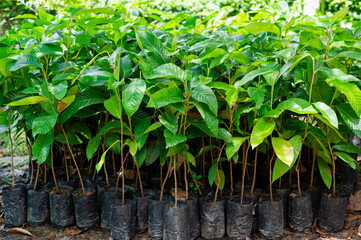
284 194
239 218
270 217
38 207
123 219
213 218
86 208
332 213
175 219
300 214
15 205
62 207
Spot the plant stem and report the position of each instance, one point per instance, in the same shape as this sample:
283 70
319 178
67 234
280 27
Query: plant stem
333 163
139 177
165 179
44 172
115 172
244 171
313 168
37 177
270 176
219 157
52 166
185 178
30 156
66 163
72 156
231 173
105 167
120 173
254 172
12 151
175 182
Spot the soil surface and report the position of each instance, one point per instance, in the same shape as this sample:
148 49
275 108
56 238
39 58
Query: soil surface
46 232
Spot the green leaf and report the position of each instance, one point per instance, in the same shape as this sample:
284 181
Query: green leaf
220 179
102 158
139 132
232 148
190 158
347 159
152 154
26 16
338 74
82 128
347 147
251 75
133 95
257 94
340 14
41 147
283 150
92 147
169 70
65 102
132 146
327 113
26 61
351 91
59 90
148 41
224 135
153 127
172 140
212 173
240 57
113 106
210 119
72 138
263 128
44 124
46 49
140 156
205 94
29 101
176 149
165 96
169 121
325 172
350 118
297 105
350 54
280 167
258 27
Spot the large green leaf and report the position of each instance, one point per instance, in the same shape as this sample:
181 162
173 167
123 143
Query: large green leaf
220 179
258 27
92 147
263 128
44 124
325 172
59 90
347 147
26 61
113 106
45 49
169 70
41 146
348 159
73 139
338 74
340 14
351 91
172 140
140 156
280 168
212 173
139 132
132 144
29 101
152 154
297 105
102 158
148 41
87 97
133 95
169 121
232 148
327 112
205 94
210 119
283 149
165 96
350 54
350 118
251 75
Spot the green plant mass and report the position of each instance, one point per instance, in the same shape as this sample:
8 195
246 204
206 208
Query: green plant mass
196 97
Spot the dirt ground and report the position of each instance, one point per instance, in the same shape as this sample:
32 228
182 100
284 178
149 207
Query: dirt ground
352 227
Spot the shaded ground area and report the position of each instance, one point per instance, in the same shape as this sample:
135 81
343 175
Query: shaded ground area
46 232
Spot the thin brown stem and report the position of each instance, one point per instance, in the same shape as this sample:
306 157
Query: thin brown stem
52 166
12 151
30 157
270 176
45 172
313 168
95 172
115 172
105 167
254 171
165 179
231 173
37 177
244 171
72 156
219 157
120 173
139 177
185 178
175 183
66 163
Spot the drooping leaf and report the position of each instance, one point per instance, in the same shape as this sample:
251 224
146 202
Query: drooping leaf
139 132
140 156
263 128
297 105
172 140
232 148
327 113
350 118
220 179
44 124
347 159
283 149
325 172
152 154
29 101
92 147
132 144
73 139
41 146
113 106
169 121
132 96
251 75
212 173
205 94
